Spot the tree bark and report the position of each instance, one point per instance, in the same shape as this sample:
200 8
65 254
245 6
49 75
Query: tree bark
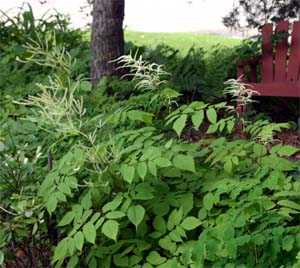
107 41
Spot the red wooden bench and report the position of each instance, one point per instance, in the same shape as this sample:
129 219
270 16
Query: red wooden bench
280 65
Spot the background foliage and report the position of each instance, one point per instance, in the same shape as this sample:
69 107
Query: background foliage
118 176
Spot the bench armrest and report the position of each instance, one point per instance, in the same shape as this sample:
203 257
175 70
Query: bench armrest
253 72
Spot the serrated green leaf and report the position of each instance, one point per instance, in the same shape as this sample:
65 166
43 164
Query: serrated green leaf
190 223
275 148
221 125
152 168
1 257
64 188
228 232
67 218
115 215
1 149
133 260
198 104
112 205
136 214
211 115
212 128
174 218
99 222
179 124
140 116
170 93
73 262
144 196
287 150
161 209
89 232
71 246
168 144
51 204
78 240
230 126
175 236
86 86
142 170
121 261
197 118
259 150
289 204
228 166
162 162
287 242
159 224
242 240
86 201
111 228
167 244
208 201
184 162
128 173
61 250
155 259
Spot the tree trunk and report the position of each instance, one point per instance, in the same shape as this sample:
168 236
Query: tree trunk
107 42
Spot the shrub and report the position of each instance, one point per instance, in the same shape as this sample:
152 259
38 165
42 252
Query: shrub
124 190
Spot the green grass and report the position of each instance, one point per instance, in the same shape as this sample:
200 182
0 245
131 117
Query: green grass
181 41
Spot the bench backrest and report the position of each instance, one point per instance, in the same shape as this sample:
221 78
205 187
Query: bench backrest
283 62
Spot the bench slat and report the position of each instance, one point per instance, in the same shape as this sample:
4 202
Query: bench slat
294 58
282 89
281 52
267 53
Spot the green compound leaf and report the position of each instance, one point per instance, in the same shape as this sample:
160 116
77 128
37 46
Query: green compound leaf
136 214
111 228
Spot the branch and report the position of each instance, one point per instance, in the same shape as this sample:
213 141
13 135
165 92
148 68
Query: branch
8 212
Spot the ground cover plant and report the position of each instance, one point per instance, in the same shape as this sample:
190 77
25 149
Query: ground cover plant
116 176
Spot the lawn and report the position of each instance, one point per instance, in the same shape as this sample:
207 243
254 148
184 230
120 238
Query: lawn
181 41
